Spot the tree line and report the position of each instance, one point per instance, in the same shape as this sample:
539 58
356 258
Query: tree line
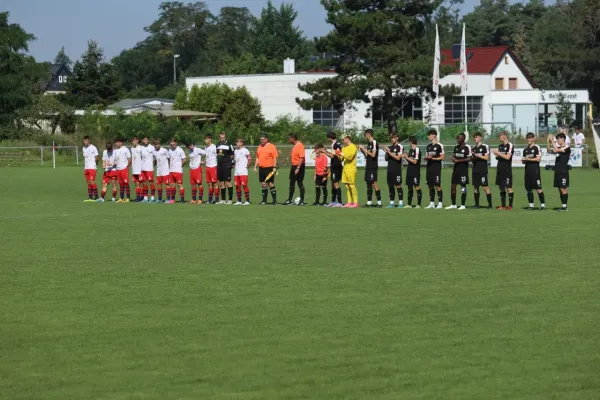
388 44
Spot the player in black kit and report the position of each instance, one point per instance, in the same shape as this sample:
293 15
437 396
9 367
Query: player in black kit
532 155
561 167
434 155
225 160
460 175
480 154
336 168
393 156
371 152
413 172
504 171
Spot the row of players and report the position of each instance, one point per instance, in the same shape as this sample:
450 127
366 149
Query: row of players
222 158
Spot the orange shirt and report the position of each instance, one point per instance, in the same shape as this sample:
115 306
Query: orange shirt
321 165
266 155
297 153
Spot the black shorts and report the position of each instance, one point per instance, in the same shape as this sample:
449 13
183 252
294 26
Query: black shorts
262 175
224 173
297 177
504 179
336 173
413 180
434 177
320 180
394 178
370 175
460 177
533 181
561 180
480 179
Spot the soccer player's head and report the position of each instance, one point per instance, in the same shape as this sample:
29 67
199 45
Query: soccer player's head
578 129
561 137
118 143
394 138
239 142
145 140
86 141
293 138
347 140
369 134
477 137
503 136
264 139
413 140
135 140
156 143
190 146
530 137
460 138
331 136
173 143
222 136
208 139
319 148
109 146
432 134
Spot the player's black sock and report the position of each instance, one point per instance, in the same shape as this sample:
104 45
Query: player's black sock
431 194
419 196
410 196
452 198
511 197
440 197
302 191
463 196
333 194
223 194
476 196
339 195
230 190
378 195
489 199
564 198
324 194
369 194
503 199
392 194
264 194
530 197
318 194
274 194
542 198
292 190
400 194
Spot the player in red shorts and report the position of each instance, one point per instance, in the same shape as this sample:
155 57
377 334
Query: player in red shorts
90 162
123 162
195 157
242 160
177 160
161 155
147 178
110 173
211 170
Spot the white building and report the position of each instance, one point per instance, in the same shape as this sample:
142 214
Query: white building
500 91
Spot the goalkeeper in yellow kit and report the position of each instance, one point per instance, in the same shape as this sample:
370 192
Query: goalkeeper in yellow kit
349 152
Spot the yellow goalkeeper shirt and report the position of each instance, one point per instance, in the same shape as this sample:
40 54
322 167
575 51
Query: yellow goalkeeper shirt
349 153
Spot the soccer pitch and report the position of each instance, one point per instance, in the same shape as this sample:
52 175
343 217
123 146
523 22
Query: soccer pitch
156 301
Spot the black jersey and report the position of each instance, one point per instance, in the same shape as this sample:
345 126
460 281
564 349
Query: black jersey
336 148
462 153
415 154
480 166
506 149
393 164
436 151
531 152
562 161
372 161
224 154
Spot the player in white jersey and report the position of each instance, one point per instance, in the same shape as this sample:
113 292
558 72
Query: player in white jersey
242 160
110 172
195 157
177 161
123 162
161 157
90 162
147 153
136 168
211 170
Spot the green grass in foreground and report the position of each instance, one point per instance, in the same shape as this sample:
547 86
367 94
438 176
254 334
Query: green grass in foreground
149 301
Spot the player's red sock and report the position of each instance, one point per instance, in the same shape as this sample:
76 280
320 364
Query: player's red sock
122 191
159 192
114 193
90 193
181 194
152 188
238 192
145 191
138 193
103 193
200 192
95 190
210 194
127 191
194 192
247 193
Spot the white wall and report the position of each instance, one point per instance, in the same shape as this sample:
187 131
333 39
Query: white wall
510 70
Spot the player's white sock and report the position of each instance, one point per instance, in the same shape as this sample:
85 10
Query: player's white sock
543 205
531 205
152 198
564 206
378 202
400 203
391 203
145 197
369 203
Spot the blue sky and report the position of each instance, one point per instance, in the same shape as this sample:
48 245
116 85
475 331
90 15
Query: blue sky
118 24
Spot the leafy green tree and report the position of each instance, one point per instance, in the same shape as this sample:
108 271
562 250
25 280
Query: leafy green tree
47 111
564 111
62 58
20 75
94 81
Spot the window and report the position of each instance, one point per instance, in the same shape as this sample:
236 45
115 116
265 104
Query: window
506 60
512 83
454 109
326 116
62 79
499 83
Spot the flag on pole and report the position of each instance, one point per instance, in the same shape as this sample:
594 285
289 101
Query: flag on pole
463 63
53 155
436 63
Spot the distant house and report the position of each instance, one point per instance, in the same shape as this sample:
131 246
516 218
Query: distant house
133 105
60 75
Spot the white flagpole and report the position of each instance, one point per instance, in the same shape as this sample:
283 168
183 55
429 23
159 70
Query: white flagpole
463 72
436 73
53 155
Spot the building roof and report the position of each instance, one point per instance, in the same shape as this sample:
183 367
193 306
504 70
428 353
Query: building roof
132 103
484 60
180 113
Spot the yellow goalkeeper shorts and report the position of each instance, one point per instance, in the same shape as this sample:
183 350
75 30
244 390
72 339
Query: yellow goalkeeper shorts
349 176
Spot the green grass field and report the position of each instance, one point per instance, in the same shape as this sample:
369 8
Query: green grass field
151 301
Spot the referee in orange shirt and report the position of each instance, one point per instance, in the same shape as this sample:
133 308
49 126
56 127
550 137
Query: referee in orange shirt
297 170
266 166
